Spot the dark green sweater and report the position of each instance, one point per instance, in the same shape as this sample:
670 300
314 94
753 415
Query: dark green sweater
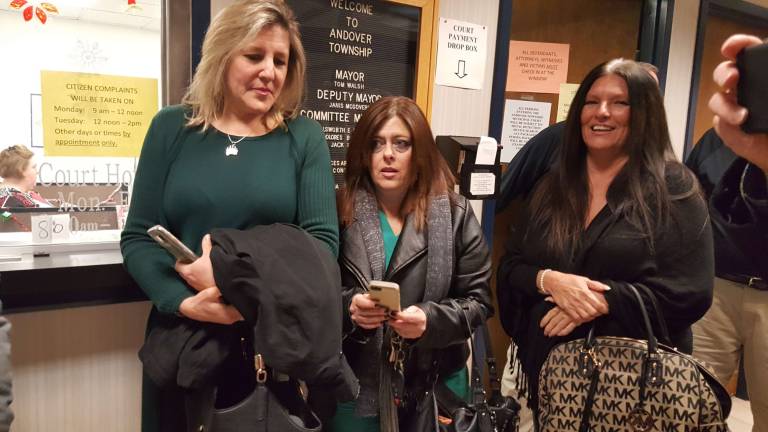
185 182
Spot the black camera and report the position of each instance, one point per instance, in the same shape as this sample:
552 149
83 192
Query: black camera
753 87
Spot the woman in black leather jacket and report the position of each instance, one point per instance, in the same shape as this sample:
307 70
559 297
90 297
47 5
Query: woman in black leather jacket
402 223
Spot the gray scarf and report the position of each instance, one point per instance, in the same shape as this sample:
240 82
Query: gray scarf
375 382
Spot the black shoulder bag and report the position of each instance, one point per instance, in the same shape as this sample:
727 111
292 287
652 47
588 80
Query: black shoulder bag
496 413
273 405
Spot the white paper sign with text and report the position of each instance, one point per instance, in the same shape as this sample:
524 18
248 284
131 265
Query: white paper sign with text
60 224
522 121
486 151
41 229
482 183
461 49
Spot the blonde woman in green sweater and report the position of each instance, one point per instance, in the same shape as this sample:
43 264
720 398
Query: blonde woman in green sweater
234 155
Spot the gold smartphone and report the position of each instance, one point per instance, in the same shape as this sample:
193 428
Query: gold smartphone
173 245
386 294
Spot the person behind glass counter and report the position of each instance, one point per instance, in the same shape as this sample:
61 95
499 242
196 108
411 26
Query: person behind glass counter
617 209
235 154
19 173
402 223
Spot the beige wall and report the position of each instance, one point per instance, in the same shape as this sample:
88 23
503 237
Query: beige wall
76 370
679 69
458 111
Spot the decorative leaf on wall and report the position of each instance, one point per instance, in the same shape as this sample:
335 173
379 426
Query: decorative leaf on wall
132 6
41 15
28 13
41 11
49 8
17 4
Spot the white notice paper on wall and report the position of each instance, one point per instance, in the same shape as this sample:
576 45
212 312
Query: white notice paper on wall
461 51
522 121
41 229
60 227
486 151
482 183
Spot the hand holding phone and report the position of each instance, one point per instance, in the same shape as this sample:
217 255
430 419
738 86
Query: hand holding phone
730 114
386 294
173 245
198 274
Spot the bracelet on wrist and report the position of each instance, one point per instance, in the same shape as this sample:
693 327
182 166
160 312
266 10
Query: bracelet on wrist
541 281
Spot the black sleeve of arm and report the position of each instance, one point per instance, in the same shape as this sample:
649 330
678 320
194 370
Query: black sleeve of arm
755 193
529 165
740 204
515 282
700 152
350 288
680 278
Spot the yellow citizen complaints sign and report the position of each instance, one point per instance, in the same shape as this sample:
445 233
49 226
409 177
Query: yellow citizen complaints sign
95 115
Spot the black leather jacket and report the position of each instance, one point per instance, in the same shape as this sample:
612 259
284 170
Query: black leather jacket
443 343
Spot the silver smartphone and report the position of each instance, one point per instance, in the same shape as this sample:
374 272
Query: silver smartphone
386 294
173 245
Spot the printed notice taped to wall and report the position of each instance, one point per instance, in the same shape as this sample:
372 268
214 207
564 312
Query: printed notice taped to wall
567 92
461 54
95 115
522 121
537 67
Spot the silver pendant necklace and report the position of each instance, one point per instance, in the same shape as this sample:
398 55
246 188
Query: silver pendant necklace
231 149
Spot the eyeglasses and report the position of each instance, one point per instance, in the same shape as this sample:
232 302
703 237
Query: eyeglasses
400 145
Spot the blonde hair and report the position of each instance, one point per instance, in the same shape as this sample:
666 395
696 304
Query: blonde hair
13 161
231 30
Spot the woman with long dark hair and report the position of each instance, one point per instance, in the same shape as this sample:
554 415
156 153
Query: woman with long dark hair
402 223
618 209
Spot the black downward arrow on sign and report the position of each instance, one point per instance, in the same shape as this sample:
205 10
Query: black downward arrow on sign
461 69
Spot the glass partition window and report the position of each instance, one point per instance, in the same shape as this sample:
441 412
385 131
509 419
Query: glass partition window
80 84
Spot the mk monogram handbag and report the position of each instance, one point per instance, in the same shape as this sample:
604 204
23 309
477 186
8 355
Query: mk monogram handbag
620 384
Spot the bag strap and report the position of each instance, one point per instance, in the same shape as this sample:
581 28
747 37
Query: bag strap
653 346
475 381
663 335
490 362
589 341
482 348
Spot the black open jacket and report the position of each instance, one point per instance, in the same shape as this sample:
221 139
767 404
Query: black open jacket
677 275
443 344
